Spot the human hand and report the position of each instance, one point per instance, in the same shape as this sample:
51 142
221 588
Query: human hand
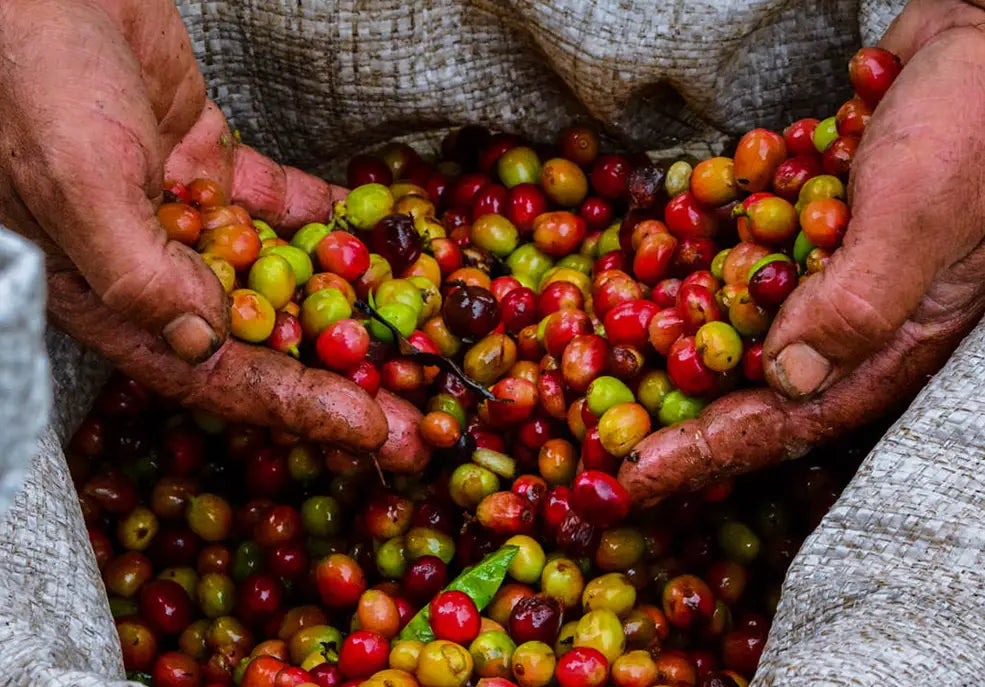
858 339
104 101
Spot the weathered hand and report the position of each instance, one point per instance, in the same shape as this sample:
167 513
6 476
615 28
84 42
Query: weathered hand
105 101
854 342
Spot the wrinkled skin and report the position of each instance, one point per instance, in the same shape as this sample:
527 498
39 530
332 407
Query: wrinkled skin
861 338
103 102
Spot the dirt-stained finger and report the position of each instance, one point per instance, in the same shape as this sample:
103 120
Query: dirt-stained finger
753 429
241 383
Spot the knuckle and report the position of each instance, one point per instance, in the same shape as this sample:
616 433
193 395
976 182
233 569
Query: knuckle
856 316
131 290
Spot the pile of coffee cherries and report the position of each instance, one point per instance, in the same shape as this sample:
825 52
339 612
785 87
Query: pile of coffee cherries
238 555
544 308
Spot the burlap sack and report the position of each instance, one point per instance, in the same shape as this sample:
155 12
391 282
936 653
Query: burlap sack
888 588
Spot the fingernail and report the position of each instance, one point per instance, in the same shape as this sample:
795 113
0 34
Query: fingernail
800 370
191 338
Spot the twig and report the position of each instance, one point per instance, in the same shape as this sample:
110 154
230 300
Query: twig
411 351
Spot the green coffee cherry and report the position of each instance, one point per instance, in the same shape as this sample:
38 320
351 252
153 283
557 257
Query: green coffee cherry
605 392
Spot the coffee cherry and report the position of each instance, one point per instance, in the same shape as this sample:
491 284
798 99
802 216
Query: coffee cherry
454 617
609 176
580 145
824 222
340 581
772 280
599 498
397 241
470 312
582 667
165 606
362 654
872 71
757 156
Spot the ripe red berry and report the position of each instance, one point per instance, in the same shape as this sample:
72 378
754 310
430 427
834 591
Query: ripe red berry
582 667
340 581
454 617
752 363
628 323
165 606
343 345
692 254
853 117
466 188
535 619
741 650
772 283
664 293
345 255
490 200
799 137
609 176
524 204
613 260
697 305
175 669
594 456
424 578
686 218
559 295
366 376
653 257
872 71
599 498
597 213
518 309
362 654
555 507
793 173
260 596
685 369
837 159
365 169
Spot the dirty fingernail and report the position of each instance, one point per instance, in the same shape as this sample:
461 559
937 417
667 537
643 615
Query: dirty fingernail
191 338
800 370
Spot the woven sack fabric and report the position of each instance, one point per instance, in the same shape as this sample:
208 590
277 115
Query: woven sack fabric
886 588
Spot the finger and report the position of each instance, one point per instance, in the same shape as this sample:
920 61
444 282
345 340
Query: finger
205 151
910 171
241 383
749 430
922 20
284 196
404 450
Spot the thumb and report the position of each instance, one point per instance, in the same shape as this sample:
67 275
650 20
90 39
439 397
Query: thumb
838 318
119 247
111 235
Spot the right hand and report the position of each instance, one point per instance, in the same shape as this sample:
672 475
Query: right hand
103 98
856 341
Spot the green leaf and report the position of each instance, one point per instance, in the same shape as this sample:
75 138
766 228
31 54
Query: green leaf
481 584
